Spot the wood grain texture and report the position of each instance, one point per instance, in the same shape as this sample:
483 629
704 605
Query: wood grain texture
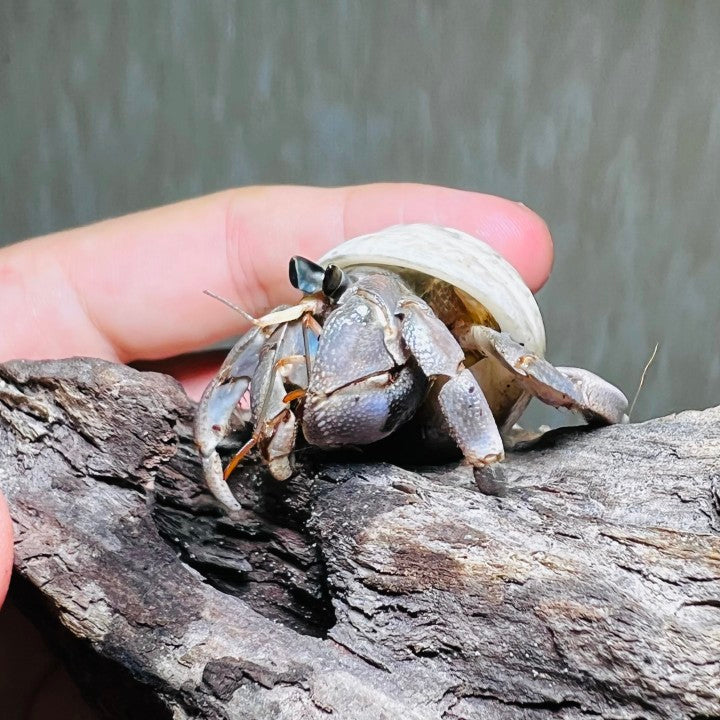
592 588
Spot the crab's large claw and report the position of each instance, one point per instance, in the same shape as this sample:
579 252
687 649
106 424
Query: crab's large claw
463 404
218 411
573 388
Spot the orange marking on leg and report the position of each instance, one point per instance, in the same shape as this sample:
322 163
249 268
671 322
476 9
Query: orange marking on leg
294 395
311 323
253 441
239 455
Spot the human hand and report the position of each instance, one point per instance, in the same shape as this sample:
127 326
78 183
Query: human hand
130 289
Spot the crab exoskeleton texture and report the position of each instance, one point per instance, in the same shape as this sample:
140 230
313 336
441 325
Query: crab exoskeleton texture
415 321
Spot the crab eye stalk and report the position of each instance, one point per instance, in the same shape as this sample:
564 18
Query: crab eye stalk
335 282
305 275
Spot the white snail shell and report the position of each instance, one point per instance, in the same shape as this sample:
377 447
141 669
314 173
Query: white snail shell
459 259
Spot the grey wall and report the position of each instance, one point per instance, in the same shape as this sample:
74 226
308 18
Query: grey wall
604 117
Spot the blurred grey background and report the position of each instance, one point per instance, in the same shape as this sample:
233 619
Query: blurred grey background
604 117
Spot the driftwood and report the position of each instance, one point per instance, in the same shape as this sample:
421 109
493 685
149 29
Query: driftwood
591 589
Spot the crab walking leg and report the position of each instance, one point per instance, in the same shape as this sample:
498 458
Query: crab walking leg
602 401
217 409
470 420
278 450
279 434
462 402
311 334
572 388
275 423
286 361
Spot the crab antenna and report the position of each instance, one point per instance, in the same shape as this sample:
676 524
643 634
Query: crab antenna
642 379
232 306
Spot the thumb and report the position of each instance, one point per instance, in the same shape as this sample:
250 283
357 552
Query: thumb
6 548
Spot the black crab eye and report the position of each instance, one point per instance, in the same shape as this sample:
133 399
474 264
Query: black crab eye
305 275
335 282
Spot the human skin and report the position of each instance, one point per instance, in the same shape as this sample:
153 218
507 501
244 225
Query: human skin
5 548
130 289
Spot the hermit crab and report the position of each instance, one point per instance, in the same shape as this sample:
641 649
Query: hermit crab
414 322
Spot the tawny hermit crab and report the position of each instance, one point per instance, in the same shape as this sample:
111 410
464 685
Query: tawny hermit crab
411 318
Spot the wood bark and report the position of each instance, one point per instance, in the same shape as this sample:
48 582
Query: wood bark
361 589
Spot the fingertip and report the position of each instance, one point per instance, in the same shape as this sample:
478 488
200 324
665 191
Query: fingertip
520 235
141 296
510 227
523 238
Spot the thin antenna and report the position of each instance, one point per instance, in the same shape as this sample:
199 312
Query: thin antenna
232 306
642 378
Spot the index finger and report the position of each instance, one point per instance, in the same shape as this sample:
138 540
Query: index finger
131 287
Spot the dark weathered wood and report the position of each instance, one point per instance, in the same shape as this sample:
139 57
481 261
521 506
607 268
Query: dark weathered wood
592 588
